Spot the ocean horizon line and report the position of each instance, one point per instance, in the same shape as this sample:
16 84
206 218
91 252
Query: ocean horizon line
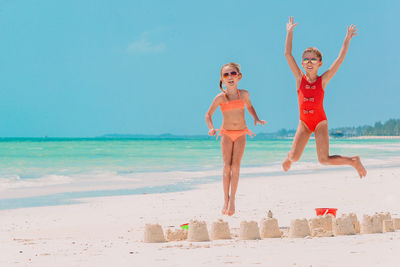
259 136
390 128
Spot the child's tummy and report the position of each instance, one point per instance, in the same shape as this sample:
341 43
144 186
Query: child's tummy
234 119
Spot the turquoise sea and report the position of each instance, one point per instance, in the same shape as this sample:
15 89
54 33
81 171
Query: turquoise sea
35 172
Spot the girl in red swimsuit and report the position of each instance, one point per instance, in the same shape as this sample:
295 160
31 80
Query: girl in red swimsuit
232 102
310 90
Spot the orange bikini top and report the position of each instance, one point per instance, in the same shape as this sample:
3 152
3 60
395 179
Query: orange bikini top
233 104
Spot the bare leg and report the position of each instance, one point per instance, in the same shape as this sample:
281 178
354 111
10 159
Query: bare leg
237 154
226 147
322 142
299 143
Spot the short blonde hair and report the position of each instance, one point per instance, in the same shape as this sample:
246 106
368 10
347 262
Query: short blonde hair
313 50
230 64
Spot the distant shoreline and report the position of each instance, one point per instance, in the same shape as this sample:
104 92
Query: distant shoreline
260 136
375 137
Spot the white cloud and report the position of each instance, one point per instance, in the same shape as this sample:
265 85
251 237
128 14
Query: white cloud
144 45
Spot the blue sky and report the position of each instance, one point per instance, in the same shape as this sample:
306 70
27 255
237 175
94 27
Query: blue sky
88 68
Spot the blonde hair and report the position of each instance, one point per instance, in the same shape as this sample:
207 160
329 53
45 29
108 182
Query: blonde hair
230 64
313 50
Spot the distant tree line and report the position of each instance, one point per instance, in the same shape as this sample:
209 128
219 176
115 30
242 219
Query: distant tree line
389 128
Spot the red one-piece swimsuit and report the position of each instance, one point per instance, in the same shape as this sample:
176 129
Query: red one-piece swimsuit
311 102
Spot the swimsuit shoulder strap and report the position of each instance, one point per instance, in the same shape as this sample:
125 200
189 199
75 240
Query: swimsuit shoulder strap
319 81
303 80
226 98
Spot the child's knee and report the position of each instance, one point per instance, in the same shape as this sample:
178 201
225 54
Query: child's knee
227 168
235 167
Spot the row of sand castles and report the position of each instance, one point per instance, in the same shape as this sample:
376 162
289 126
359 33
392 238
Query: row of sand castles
321 226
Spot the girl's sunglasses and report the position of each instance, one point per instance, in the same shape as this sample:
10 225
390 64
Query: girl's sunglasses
313 60
232 73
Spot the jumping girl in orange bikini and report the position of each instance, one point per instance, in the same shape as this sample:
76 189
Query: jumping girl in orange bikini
232 102
310 90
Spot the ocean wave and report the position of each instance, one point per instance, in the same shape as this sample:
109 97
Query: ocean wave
16 185
15 181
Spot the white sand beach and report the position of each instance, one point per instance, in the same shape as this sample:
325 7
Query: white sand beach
109 231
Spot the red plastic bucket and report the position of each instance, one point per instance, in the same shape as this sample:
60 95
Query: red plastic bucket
324 211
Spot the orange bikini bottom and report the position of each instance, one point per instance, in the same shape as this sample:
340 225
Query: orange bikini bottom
235 134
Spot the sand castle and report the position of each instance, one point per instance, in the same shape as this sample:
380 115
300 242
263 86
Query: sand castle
388 226
269 228
380 218
153 233
377 221
220 230
355 222
177 235
375 224
249 230
343 226
385 216
269 214
299 228
198 231
396 223
367 225
321 226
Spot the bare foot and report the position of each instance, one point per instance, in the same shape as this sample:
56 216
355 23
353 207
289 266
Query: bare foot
225 208
359 167
286 164
231 207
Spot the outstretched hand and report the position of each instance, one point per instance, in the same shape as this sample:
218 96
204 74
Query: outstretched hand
212 132
261 122
290 26
351 31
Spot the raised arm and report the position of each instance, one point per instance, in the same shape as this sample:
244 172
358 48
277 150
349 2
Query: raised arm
288 50
327 76
216 102
250 108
